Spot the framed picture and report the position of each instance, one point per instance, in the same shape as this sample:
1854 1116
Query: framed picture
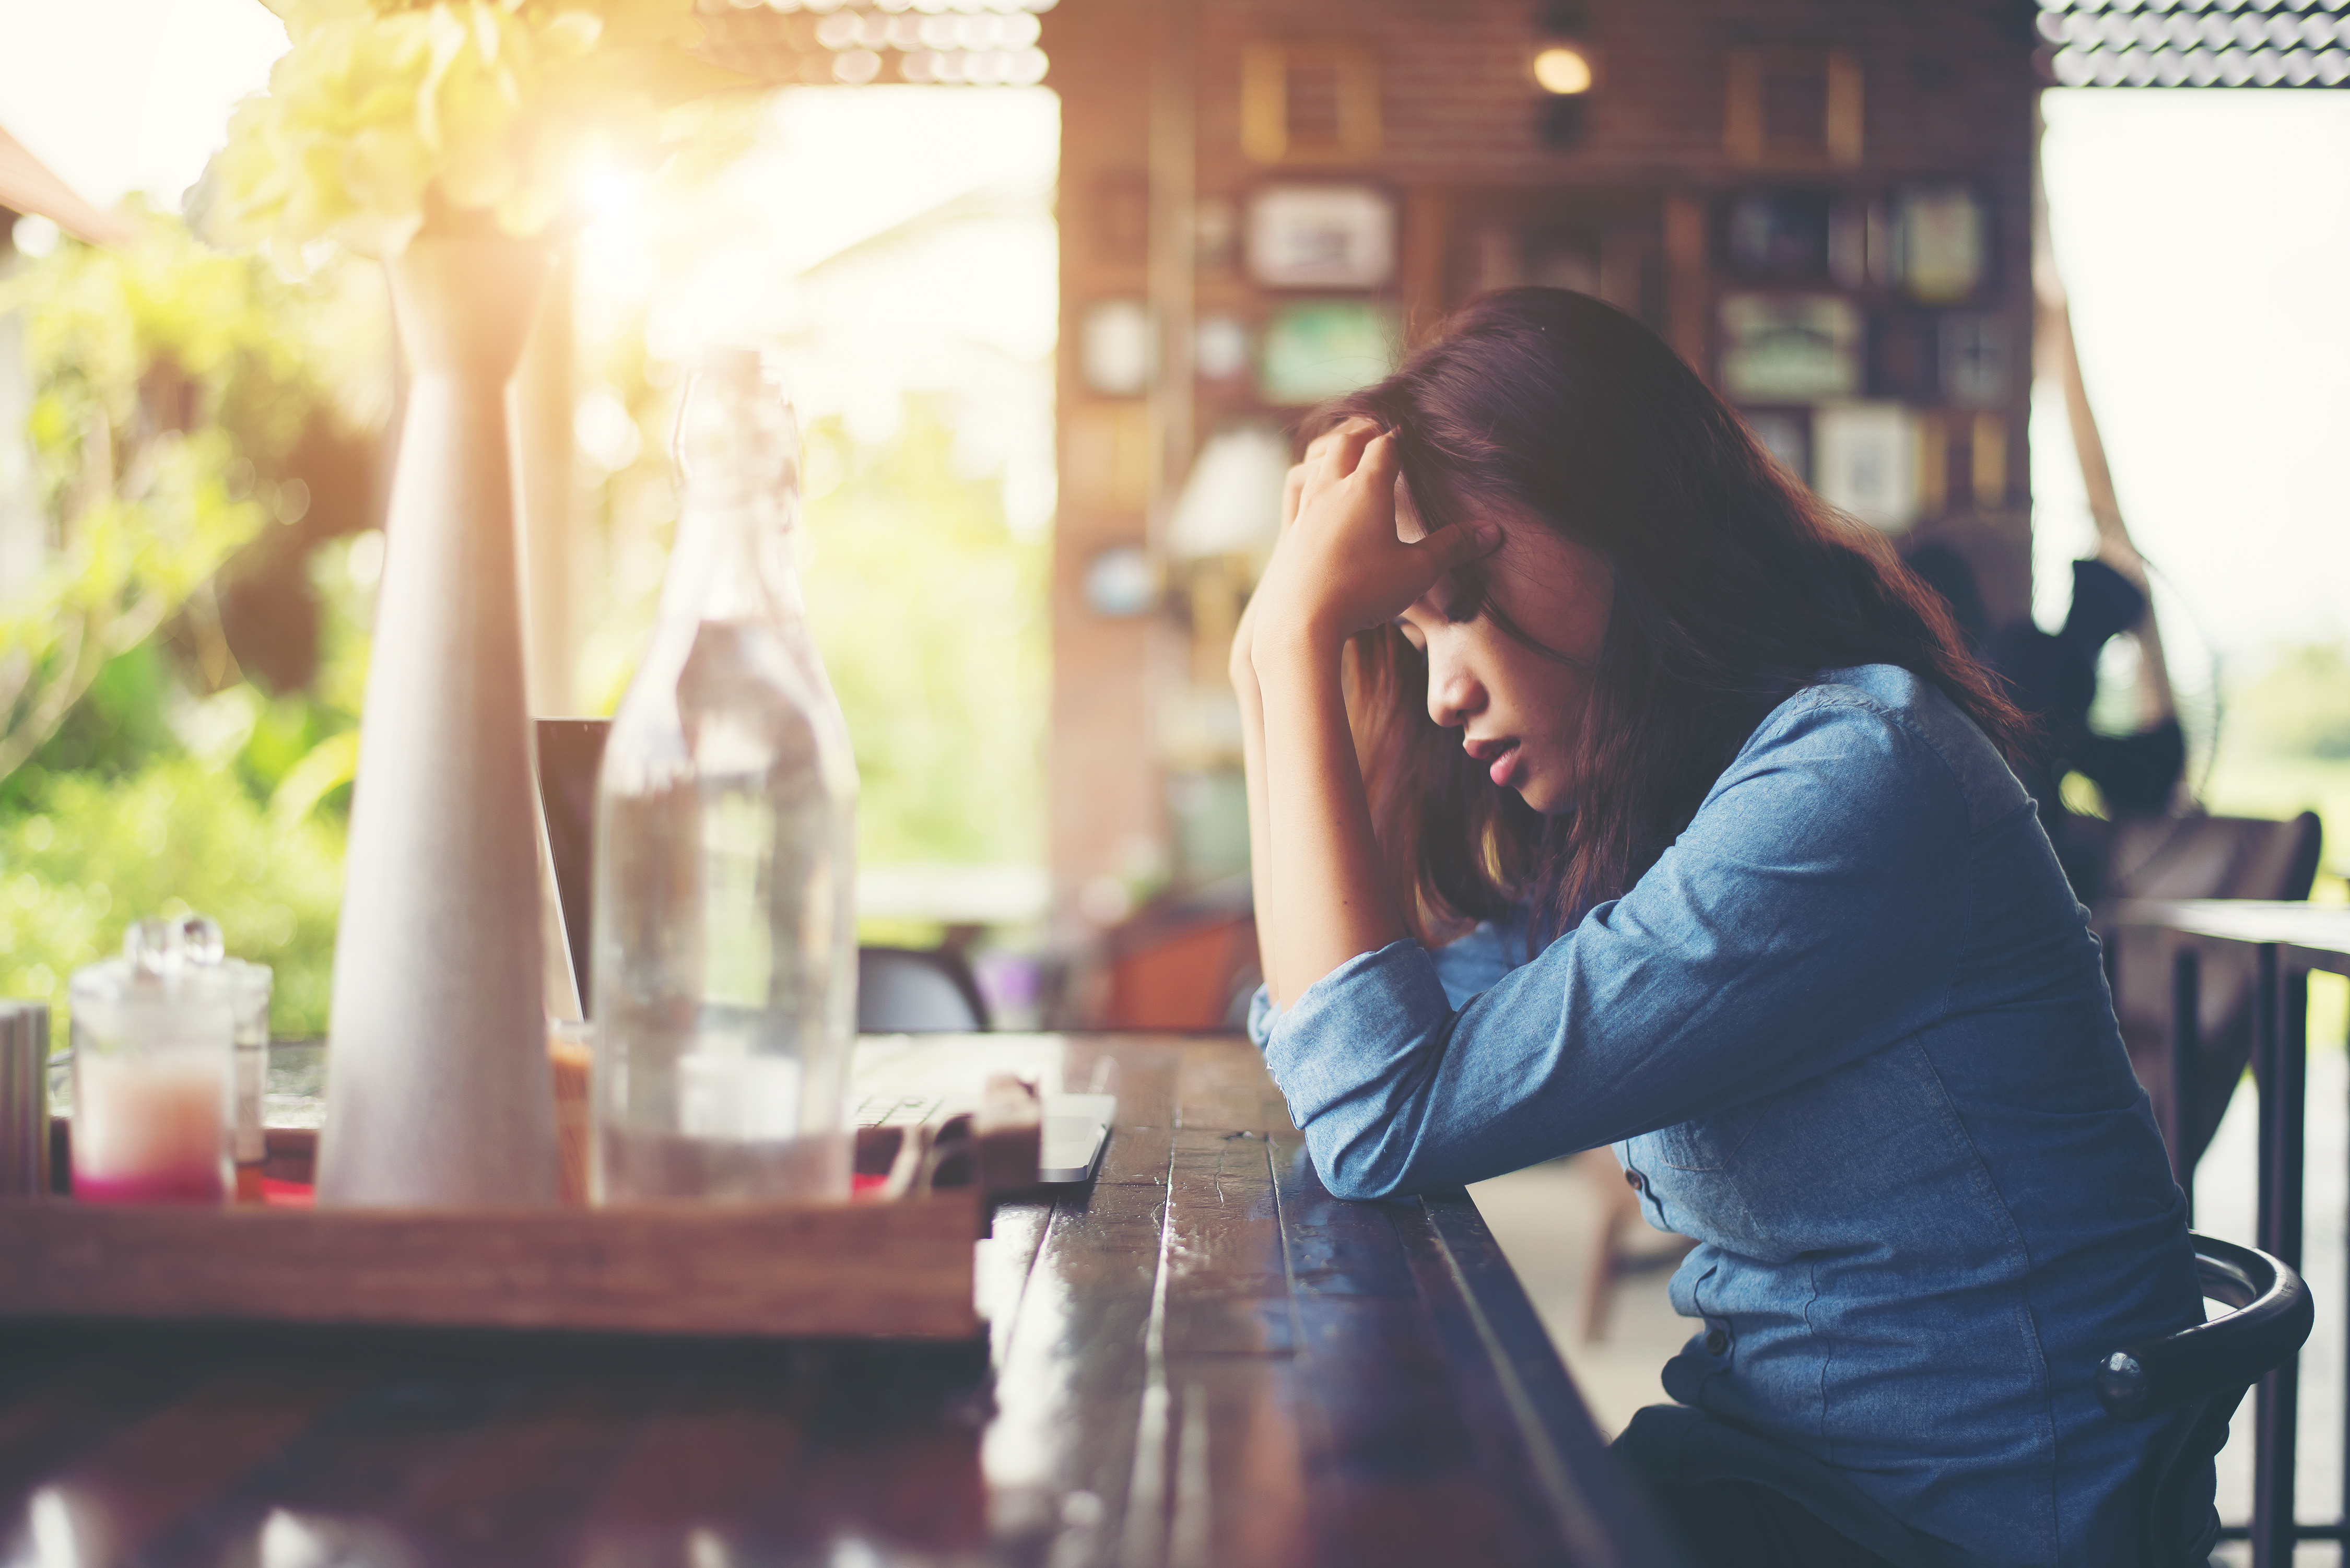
1121 581
1781 235
1903 355
1974 359
1321 236
1865 462
1940 233
1789 348
1115 352
1220 348
1306 102
1319 348
1987 465
1793 107
1860 244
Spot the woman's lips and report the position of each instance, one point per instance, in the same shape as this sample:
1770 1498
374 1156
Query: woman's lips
1504 765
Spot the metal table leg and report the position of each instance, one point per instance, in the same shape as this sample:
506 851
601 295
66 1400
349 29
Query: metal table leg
2279 1042
2185 1063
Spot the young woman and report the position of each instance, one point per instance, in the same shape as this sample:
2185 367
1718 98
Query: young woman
1672 814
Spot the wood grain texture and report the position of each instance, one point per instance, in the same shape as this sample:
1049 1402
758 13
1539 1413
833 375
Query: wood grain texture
1201 1358
884 1269
888 1270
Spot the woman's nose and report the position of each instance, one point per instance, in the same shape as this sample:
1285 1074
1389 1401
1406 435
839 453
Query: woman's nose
1454 694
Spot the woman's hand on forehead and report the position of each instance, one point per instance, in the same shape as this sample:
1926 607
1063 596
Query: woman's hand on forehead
1357 554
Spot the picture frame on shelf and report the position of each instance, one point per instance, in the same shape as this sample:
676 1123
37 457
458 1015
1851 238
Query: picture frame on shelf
1116 354
1219 348
1975 359
1794 106
1942 237
1320 348
1903 354
1778 237
1790 348
1309 101
1860 244
1989 469
1321 236
1865 462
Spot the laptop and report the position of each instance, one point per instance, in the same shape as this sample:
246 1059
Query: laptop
569 750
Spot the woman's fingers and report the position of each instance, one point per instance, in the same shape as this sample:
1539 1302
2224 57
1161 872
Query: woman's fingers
1347 444
1380 462
1293 493
1333 457
1450 549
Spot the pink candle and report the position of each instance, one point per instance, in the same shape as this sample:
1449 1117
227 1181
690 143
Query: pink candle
150 1128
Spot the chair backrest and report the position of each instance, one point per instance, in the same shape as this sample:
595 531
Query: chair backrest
2207 1369
912 991
2198 857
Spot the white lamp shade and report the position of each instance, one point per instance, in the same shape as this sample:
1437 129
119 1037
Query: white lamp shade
1230 502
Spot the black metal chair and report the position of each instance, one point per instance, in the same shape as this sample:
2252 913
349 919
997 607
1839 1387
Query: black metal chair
2194 857
2208 1367
917 991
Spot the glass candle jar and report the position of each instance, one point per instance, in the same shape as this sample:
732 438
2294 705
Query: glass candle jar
153 1075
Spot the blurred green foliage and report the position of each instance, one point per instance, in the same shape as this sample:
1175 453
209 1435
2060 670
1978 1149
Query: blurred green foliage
931 616
182 833
930 612
2284 744
2299 705
172 387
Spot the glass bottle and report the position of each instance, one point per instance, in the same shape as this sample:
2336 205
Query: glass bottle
249 987
726 967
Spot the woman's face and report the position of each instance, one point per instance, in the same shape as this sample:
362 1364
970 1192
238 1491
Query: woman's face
1518 708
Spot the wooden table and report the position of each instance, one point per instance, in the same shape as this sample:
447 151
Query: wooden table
2289 940
1201 1358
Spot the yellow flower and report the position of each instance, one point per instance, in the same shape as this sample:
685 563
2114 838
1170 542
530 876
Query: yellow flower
385 113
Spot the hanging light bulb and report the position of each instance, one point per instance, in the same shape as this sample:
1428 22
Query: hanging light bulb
1562 69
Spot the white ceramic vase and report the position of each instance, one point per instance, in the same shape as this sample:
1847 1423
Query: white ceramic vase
437 1084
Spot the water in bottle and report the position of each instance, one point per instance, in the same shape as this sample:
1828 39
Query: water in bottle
726 958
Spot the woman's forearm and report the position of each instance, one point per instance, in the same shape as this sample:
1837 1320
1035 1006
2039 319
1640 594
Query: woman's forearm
1260 823
1326 899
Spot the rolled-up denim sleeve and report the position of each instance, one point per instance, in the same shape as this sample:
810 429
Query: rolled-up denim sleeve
1464 967
1263 1014
1805 916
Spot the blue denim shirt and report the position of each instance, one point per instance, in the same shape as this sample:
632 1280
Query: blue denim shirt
1850 1032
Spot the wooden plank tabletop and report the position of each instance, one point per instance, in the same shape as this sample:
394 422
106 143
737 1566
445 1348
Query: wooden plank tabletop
2319 933
1200 1358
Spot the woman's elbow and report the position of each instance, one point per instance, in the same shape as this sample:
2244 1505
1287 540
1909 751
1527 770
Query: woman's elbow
1357 1164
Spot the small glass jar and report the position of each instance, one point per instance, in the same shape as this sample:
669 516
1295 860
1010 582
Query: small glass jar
154 1078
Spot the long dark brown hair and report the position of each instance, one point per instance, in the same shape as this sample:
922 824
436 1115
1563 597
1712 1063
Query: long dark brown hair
1733 587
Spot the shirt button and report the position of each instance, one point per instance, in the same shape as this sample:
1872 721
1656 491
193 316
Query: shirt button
1717 1340
1632 1179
